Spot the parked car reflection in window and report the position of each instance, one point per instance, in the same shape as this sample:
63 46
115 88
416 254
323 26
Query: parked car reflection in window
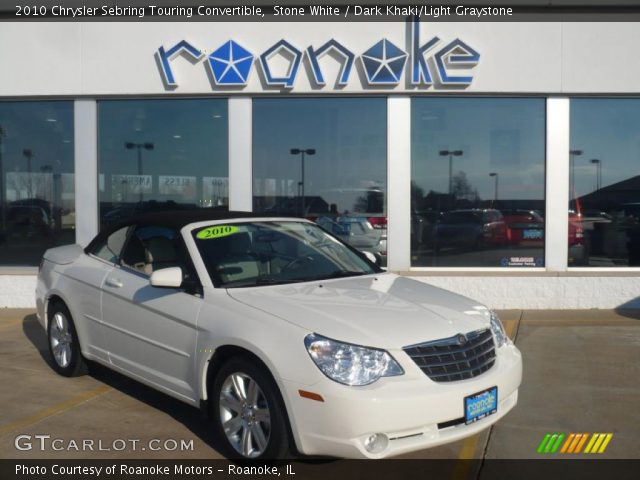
477 189
604 182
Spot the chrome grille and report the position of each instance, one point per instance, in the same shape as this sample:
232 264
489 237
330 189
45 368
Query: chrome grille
455 358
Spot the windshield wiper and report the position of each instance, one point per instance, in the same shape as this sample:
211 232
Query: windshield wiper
341 274
335 274
274 281
257 281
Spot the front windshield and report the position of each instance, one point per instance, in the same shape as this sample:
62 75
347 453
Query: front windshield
271 252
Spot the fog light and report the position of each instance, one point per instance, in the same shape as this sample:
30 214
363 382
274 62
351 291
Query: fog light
376 443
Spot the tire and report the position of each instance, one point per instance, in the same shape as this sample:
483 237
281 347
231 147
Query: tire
64 347
244 417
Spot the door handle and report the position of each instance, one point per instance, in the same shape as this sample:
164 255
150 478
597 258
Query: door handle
114 282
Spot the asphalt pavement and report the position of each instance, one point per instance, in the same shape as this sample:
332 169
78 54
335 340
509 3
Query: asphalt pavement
581 371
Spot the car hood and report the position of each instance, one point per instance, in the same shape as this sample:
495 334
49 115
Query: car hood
384 310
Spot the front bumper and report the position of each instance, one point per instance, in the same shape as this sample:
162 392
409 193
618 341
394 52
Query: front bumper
406 409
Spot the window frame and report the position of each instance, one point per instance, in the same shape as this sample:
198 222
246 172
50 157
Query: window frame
95 145
195 288
514 271
347 96
92 247
25 268
240 178
590 270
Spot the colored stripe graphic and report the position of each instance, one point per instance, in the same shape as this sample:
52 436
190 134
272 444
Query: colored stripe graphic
581 442
547 449
551 442
591 442
557 444
573 443
607 439
598 442
543 443
568 442
596 445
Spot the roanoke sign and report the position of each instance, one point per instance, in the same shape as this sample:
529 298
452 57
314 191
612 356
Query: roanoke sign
431 62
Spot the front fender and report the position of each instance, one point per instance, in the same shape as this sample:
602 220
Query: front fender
277 343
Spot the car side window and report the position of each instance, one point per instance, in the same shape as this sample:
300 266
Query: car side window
110 249
152 248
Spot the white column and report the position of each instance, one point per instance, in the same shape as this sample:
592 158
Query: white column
240 154
557 195
85 129
399 183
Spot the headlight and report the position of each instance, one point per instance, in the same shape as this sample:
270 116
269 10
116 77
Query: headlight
498 330
350 364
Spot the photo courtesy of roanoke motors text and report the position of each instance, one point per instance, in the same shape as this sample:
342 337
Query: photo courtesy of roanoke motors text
311 240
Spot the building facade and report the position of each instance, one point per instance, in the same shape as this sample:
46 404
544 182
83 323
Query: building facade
497 160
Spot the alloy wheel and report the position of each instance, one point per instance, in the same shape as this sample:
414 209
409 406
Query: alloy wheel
244 415
61 340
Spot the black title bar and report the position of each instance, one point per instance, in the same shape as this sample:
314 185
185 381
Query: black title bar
442 11
533 469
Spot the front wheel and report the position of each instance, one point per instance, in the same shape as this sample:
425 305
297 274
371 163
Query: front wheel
64 347
248 412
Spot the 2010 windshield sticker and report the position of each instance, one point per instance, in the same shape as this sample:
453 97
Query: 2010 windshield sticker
216 231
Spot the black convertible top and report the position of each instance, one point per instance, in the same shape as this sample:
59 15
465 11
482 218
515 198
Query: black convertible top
174 219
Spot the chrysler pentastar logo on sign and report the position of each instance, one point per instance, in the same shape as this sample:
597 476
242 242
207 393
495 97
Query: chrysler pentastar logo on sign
382 64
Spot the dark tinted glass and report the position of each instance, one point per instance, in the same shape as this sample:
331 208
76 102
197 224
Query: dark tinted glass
604 190
37 199
477 182
160 154
326 160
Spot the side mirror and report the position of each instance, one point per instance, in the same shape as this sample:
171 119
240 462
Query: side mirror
167 278
371 257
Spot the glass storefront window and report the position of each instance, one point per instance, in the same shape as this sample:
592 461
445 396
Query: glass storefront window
604 190
37 201
161 154
326 160
477 182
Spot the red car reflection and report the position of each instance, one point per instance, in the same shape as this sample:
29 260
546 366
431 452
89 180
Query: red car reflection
526 228
471 228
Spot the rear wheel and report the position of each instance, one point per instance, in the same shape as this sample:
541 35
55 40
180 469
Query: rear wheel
64 348
248 412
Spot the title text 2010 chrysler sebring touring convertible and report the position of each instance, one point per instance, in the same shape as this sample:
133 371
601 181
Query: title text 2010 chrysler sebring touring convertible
292 340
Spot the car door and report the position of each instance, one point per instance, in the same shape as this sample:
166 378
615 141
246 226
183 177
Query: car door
88 274
152 331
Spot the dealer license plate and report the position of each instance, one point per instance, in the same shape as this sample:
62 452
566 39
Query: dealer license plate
480 405
532 234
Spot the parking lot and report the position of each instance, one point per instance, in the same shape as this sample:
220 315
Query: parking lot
581 371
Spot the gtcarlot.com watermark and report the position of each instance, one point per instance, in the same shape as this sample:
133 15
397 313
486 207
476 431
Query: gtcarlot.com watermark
44 443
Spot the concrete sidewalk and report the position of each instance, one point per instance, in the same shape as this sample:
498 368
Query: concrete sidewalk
581 374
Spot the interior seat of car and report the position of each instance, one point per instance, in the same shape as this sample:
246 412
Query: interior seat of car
133 255
160 252
238 263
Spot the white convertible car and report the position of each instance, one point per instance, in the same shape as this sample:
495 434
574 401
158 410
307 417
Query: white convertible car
291 340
